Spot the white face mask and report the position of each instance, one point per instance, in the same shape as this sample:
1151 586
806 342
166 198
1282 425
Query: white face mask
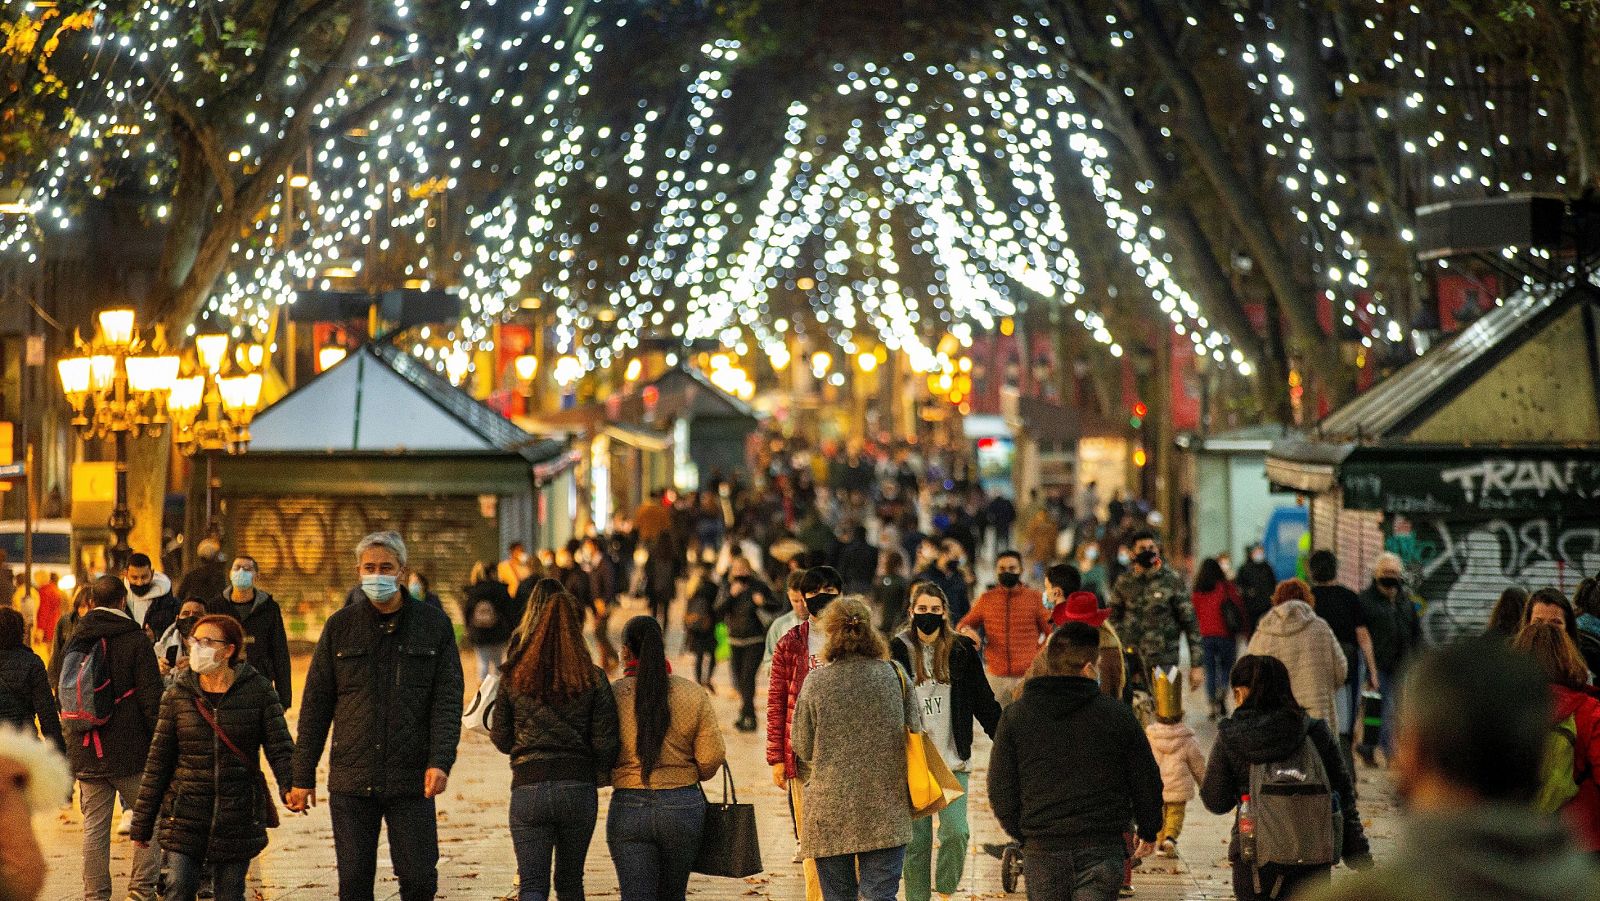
203 659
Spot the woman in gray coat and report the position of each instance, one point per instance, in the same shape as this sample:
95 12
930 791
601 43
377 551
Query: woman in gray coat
849 739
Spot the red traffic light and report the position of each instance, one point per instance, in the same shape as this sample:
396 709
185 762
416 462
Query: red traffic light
1139 409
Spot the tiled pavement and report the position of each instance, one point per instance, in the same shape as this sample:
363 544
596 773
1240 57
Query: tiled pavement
475 845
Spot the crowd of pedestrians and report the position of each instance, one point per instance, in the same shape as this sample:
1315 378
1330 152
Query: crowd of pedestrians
857 585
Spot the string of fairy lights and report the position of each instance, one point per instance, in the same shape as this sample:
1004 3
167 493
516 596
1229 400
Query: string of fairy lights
911 201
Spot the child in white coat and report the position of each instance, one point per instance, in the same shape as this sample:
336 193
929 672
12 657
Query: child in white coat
1177 752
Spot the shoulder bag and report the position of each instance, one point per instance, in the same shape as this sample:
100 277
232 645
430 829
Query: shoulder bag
729 843
266 810
931 784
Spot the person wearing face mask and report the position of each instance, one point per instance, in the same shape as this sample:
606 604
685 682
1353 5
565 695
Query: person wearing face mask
1396 630
386 680
942 567
1256 580
515 567
797 654
150 600
948 678
1092 571
202 792
1151 610
266 641
172 648
1013 622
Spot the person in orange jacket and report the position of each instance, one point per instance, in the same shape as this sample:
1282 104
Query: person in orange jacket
1013 622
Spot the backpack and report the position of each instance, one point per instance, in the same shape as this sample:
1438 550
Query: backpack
1295 812
484 615
1558 775
85 692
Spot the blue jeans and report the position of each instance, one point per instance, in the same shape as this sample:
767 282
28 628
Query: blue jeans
953 836
869 875
654 837
1054 873
413 844
186 873
489 656
552 818
1220 652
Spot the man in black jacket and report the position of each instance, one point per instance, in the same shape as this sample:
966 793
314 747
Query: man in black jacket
266 642
386 677
107 760
1069 769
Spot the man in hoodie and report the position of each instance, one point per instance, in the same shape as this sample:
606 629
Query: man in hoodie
1069 769
1475 717
150 600
266 642
108 760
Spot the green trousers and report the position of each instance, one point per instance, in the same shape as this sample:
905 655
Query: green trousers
953 835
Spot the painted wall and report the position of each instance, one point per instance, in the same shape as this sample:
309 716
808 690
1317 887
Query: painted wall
1232 502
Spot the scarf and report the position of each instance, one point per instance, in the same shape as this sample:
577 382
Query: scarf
632 669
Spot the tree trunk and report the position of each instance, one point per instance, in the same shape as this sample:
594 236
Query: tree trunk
1570 53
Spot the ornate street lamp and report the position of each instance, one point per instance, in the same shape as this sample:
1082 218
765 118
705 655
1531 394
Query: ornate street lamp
118 385
213 403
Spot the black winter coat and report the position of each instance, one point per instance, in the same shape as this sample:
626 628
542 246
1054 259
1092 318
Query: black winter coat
970 694
124 740
195 791
266 642
392 700
1252 736
1071 767
742 605
26 695
499 597
575 740
206 579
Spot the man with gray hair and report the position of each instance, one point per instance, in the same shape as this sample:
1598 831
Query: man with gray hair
386 678
1394 621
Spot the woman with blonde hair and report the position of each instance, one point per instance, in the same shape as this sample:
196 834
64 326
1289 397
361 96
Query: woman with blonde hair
557 718
1557 655
849 740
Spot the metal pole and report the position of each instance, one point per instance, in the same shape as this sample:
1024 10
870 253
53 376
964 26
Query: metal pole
121 522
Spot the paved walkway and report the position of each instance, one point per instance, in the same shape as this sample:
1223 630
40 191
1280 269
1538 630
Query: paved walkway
475 844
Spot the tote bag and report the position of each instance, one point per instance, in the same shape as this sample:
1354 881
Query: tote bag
476 716
931 784
729 845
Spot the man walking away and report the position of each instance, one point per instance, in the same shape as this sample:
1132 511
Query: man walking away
150 600
1341 608
1013 621
1070 768
266 642
386 677
1474 724
110 696
208 577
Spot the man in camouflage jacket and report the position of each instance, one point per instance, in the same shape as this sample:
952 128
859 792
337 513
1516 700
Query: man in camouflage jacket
1151 610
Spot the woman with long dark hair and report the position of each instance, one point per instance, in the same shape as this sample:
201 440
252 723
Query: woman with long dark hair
1505 620
1269 725
1220 612
947 677
557 719
670 743
1557 655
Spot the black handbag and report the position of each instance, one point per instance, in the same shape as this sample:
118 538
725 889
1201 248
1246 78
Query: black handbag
729 845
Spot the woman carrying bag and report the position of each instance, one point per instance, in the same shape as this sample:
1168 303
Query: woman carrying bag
948 679
557 718
850 724
670 743
202 777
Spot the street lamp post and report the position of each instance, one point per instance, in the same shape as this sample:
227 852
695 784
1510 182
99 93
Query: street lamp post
118 385
213 404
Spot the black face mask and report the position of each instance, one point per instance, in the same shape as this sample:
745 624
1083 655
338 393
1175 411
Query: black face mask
142 590
1009 580
927 623
186 625
1145 559
819 602
1388 584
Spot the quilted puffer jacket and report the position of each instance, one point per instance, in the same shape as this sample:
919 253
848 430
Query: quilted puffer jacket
392 701
577 739
196 793
791 663
25 695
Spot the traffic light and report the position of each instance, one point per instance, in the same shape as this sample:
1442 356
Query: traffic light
1139 411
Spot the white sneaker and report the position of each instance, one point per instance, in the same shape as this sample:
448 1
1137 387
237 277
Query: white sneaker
126 823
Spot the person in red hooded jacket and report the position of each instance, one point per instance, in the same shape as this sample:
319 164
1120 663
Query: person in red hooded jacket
1557 654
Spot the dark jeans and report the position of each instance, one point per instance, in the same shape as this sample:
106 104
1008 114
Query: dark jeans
186 878
654 837
705 666
1219 659
413 844
1350 702
869 876
1371 739
1292 878
558 818
746 663
1055 873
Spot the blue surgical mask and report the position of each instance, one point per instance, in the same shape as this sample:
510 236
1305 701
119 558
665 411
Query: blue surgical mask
379 588
242 578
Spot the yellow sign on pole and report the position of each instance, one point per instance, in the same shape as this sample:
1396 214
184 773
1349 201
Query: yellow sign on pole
94 493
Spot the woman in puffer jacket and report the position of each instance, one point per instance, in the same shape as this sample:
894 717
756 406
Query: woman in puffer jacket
1292 632
200 780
